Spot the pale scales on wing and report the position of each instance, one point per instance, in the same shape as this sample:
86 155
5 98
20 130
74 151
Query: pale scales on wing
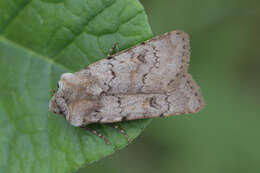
147 80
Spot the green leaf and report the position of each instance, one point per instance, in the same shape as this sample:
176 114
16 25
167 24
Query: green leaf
40 40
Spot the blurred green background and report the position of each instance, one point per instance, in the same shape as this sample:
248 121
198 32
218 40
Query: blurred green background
225 61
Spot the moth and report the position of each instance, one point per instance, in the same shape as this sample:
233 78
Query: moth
148 80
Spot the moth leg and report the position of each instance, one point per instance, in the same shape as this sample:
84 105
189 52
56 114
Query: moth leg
52 91
94 132
112 49
122 131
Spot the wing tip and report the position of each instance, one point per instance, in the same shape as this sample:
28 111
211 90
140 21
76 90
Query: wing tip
181 33
195 89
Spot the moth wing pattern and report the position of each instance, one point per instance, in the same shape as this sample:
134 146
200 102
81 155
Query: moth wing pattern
141 68
185 99
147 80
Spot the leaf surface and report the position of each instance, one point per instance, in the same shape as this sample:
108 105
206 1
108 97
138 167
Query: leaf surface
40 40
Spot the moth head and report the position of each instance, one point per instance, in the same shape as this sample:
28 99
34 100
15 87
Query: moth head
75 98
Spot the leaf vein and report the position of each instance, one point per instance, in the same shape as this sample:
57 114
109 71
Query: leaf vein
18 12
42 57
82 31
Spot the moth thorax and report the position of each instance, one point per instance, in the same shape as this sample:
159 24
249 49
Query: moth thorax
78 109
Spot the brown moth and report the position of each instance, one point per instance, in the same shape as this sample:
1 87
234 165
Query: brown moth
145 81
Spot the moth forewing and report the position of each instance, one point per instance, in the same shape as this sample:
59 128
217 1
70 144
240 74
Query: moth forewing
185 99
147 80
155 65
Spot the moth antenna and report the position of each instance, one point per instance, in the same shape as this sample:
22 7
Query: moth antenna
112 49
122 131
94 132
